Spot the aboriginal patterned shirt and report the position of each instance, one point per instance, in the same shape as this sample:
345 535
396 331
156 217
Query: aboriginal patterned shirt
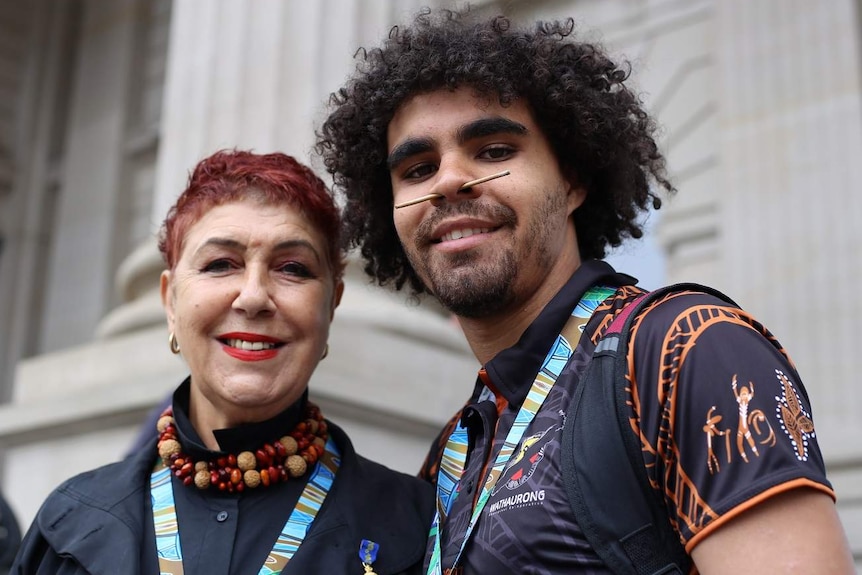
719 408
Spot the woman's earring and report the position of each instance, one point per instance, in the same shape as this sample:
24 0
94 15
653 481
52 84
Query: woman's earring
325 351
172 343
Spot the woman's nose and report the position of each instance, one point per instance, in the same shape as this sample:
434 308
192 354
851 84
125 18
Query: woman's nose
254 297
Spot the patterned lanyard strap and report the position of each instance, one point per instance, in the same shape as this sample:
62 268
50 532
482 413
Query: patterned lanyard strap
455 452
292 534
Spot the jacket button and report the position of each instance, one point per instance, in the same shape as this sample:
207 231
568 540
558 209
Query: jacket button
222 516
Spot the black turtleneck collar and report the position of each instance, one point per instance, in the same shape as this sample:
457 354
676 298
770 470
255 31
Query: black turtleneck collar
513 370
246 437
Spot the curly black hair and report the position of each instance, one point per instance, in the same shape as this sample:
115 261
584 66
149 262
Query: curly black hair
596 125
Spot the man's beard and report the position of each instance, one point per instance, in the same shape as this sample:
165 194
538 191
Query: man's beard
477 291
485 288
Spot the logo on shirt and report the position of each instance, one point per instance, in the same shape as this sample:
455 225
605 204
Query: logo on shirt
523 464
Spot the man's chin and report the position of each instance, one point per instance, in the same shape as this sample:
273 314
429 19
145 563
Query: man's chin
474 300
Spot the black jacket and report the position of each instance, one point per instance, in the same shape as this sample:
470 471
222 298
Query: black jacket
93 522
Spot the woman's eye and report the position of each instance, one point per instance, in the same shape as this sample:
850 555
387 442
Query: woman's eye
295 269
217 266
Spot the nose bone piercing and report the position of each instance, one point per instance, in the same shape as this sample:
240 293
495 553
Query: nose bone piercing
464 186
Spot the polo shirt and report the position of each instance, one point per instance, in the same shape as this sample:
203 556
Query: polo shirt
688 350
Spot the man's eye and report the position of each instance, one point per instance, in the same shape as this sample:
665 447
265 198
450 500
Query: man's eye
496 152
216 266
419 172
295 269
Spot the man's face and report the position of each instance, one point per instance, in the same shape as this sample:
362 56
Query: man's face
490 248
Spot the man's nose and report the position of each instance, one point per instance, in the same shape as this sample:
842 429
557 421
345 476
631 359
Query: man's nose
450 183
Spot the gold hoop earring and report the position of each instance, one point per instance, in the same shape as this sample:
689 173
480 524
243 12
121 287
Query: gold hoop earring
173 344
325 352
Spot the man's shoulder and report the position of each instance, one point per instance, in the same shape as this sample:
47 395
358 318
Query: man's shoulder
671 306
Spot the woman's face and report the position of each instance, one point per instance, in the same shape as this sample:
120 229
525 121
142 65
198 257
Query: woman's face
250 302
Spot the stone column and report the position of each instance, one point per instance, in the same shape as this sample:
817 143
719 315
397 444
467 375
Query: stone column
790 141
88 202
790 134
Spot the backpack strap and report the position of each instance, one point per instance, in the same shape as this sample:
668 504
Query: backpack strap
622 517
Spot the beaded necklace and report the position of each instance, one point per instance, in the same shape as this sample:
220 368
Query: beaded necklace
289 457
232 473
455 451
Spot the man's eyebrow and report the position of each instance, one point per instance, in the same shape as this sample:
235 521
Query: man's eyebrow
407 148
475 129
489 127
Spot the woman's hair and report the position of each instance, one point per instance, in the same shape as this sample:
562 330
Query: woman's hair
596 125
275 179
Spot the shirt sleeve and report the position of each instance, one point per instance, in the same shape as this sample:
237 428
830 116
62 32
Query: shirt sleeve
723 417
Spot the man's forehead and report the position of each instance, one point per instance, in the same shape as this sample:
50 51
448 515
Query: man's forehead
458 113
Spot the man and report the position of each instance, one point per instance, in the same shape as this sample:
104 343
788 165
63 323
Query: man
570 157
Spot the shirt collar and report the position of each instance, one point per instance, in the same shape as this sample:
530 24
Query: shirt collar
513 370
245 437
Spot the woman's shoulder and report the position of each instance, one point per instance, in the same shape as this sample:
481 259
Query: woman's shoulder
376 480
104 488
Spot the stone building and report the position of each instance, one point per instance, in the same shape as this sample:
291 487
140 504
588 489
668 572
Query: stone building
106 104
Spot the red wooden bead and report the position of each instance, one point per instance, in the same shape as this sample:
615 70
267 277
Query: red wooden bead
262 458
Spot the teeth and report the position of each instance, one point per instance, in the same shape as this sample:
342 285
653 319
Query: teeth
250 345
458 234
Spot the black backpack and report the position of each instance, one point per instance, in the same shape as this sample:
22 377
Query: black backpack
622 517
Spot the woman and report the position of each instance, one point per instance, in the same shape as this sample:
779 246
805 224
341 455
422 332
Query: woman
246 475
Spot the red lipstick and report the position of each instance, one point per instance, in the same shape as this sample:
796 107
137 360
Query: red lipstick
249 354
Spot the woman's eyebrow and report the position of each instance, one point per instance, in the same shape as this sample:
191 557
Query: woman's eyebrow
222 243
239 246
293 244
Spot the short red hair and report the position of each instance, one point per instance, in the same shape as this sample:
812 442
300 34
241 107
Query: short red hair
277 179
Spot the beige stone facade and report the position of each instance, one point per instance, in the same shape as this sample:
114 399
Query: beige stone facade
106 104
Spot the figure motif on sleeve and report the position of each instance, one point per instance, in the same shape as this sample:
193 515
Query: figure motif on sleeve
711 430
752 425
743 397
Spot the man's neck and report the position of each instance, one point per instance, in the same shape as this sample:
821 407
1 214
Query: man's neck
490 335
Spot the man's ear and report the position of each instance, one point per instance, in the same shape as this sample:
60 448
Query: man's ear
167 290
576 193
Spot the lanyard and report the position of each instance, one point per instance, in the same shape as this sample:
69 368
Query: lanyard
292 534
455 453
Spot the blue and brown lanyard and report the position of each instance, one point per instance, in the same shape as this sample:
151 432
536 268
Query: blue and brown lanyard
292 534
455 452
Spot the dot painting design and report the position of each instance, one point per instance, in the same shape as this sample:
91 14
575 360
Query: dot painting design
795 421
